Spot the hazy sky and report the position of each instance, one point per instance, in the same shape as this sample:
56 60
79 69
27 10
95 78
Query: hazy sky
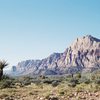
33 29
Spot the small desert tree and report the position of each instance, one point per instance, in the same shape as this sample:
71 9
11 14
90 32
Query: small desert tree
3 64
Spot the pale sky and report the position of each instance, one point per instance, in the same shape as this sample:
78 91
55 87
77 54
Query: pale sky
33 29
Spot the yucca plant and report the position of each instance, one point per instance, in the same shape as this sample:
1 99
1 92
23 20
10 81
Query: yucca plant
3 64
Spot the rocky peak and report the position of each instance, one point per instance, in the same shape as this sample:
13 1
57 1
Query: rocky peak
84 52
86 42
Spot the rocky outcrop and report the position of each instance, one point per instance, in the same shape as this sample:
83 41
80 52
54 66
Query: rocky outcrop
83 54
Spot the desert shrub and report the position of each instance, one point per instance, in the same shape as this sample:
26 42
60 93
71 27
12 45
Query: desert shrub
78 75
27 78
52 79
95 76
73 82
55 83
6 84
61 92
36 81
70 76
52 98
88 81
18 84
4 95
86 74
24 80
47 96
85 80
97 81
47 81
42 76
6 77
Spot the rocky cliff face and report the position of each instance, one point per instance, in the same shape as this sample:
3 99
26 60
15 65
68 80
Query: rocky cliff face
83 54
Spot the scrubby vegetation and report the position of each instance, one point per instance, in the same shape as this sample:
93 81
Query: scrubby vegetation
3 64
76 87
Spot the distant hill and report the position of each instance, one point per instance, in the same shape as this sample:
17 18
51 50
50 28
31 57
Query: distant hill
82 55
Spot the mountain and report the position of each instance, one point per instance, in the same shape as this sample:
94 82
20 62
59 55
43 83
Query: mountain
82 55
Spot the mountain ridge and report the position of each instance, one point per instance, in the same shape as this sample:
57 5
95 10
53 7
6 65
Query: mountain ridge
84 53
